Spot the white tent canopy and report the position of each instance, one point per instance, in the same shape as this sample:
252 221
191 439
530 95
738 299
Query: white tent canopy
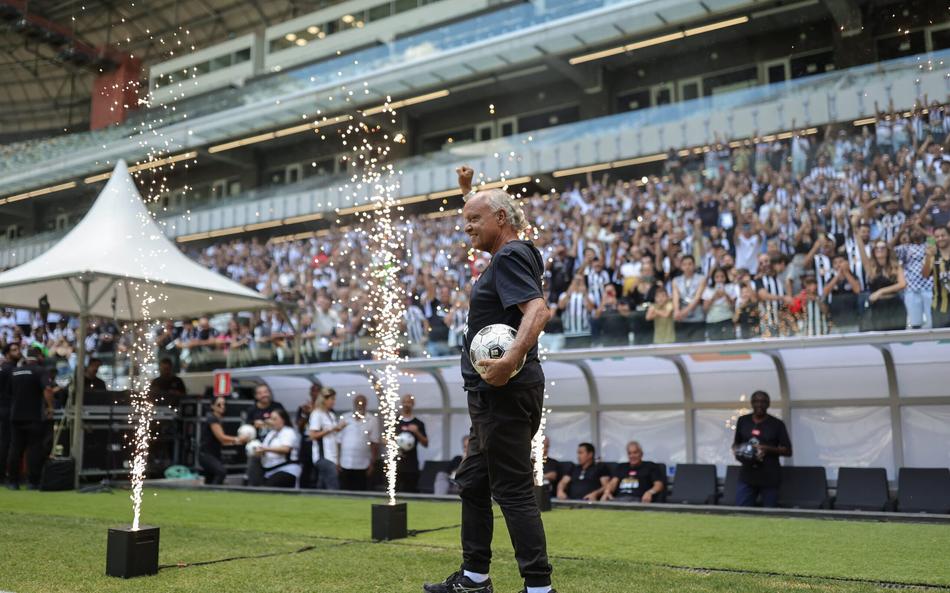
117 246
119 251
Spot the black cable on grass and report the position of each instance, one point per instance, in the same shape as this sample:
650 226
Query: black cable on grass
233 558
764 573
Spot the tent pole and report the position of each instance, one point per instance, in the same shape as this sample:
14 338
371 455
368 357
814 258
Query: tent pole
77 434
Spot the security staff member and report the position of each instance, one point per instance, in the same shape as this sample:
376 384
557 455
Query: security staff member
769 437
32 402
505 410
11 357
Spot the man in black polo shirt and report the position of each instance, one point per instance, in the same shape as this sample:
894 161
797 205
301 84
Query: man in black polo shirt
505 406
588 479
167 384
768 436
91 376
32 402
11 357
635 481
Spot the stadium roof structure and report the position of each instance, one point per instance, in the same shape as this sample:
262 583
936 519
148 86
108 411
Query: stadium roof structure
119 249
46 83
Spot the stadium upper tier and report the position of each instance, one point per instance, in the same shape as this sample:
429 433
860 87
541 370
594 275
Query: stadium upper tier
506 39
596 144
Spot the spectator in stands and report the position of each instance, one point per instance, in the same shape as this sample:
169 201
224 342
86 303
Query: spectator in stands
919 291
609 321
636 480
937 267
167 384
813 316
760 477
279 452
588 479
660 313
719 303
359 447
576 309
885 282
407 466
325 426
688 312
213 438
841 292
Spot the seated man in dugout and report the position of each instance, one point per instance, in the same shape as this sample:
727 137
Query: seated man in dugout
634 481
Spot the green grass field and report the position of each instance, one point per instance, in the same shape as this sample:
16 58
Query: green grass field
56 542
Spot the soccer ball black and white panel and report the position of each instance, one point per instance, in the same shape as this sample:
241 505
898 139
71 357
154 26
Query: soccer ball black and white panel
491 342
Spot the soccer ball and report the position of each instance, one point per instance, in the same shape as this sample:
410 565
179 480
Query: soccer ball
253 446
405 441
246 431
491 342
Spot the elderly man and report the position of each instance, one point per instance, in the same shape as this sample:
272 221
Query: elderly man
504 403
635 481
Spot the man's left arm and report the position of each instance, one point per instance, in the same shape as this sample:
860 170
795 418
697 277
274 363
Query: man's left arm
421 436
784 446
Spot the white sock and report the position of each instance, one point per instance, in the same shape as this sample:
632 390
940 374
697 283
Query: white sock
476 577
543 589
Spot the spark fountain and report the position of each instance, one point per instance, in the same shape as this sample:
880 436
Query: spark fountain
386 240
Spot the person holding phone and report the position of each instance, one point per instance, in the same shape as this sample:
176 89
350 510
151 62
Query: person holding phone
937 267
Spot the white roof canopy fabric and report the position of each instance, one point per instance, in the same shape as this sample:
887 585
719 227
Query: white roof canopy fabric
123 252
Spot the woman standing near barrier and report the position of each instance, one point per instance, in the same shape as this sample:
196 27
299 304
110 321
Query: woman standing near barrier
885 281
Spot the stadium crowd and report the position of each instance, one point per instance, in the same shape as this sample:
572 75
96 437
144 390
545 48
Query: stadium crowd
840 230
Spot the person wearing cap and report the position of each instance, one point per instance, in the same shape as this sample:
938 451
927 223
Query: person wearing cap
890 223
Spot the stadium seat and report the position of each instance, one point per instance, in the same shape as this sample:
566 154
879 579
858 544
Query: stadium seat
923 490
429 471
695 483
862 489
730 486
803 488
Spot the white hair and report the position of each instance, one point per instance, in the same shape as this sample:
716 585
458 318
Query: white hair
499 199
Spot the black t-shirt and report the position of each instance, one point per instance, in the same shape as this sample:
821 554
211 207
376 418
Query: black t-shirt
409 460
210 443
771 431
27 386
512 278
438 331
95 384
553 465
584 481
844 304
635 481
255 413
164 385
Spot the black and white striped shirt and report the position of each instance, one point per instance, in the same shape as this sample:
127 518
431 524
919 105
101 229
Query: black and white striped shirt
457 328
855 262
576 316
823 271
890 225
415 327
771 310
814 322
596 281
